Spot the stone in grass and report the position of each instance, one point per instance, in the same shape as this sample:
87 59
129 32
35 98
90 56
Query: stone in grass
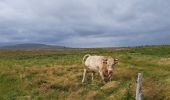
110 85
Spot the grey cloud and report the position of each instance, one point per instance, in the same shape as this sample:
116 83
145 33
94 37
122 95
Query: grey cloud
85 23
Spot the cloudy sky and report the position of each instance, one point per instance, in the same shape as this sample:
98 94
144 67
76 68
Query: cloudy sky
85 23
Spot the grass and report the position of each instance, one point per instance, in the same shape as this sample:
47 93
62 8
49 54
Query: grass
43 74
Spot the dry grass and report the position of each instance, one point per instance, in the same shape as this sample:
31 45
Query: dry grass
153 90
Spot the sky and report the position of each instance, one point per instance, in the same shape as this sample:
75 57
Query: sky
85 23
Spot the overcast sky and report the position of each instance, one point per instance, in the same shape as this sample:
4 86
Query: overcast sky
85 23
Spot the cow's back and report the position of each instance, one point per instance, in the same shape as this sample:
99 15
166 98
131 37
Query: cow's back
94 62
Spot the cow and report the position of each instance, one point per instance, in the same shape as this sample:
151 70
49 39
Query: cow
103 65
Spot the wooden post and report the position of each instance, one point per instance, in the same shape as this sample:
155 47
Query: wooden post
138 87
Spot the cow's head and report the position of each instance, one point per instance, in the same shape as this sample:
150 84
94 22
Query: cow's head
111 61
109 64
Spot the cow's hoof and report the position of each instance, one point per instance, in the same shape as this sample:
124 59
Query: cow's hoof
82 82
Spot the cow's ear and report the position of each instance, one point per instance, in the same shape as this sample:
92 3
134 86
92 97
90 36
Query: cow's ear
116 61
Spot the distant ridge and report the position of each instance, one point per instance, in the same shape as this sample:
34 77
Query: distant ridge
31 46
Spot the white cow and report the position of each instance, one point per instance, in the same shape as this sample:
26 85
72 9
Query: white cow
103 65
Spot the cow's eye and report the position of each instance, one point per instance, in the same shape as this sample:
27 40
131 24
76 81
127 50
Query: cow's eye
104 62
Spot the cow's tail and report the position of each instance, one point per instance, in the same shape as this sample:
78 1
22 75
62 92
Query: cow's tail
84 58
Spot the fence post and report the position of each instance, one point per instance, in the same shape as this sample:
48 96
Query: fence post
138 87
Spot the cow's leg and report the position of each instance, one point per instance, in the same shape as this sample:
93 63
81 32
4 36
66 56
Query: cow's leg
110 78
102 76
92 75
84 75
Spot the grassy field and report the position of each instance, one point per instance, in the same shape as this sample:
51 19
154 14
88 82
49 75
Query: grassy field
53 74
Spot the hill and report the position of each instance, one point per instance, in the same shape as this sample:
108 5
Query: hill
30 46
